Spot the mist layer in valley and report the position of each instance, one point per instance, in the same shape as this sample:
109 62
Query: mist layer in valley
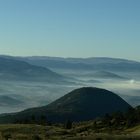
124 84
17 95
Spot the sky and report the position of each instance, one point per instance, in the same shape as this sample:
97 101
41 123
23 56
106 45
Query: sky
70 28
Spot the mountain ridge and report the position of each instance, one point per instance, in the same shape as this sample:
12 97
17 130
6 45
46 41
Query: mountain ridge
79 105
21 70
91 63
96 63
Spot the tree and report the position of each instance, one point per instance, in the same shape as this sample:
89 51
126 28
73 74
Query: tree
43 119
36 137
33 119
68 124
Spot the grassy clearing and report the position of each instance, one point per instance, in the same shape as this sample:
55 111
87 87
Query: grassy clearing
38 132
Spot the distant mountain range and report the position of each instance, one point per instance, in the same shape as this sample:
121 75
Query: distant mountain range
9 101
95 63
107 75
79 105
13 69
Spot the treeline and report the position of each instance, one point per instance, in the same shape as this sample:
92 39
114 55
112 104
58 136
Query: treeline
115 120
119 120
33 119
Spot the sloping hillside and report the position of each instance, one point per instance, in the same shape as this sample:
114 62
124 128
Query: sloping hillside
107 75
11 69
79 105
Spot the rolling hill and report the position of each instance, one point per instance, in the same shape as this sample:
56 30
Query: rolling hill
11 69
9 101
79 105
107 75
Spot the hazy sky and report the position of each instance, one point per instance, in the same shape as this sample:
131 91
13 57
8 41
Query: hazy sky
70 28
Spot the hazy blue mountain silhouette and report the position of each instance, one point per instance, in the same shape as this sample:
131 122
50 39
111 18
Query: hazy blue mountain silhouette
107 75
9 101
95 63
11 69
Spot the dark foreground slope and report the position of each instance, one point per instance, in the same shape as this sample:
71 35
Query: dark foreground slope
79 105
84 131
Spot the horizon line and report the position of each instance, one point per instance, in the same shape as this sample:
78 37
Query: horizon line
63 57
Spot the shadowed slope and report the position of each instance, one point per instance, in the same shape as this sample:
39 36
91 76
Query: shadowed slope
79 105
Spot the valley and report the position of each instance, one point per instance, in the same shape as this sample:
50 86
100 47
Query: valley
69 70
38 88
37 101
